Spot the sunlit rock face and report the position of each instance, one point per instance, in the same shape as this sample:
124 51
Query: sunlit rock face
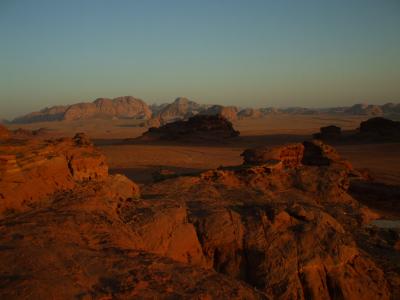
280 226
104 108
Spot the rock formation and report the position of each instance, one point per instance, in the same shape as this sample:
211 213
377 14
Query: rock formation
280 226
228 112
380 128
364 109
181 109
199 127
121 107
55 113
250 113
330 132
34 169
285 230
69 230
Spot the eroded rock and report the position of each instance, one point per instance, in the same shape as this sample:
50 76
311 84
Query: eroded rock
199 127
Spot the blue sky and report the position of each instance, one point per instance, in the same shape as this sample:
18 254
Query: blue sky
313 53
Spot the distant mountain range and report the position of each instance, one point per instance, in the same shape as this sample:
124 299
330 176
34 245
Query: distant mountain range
128 107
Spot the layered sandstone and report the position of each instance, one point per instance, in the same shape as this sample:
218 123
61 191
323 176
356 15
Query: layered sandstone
87 234
286 230
280 226
30 170
121 108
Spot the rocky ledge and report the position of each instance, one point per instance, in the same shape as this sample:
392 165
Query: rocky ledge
255 231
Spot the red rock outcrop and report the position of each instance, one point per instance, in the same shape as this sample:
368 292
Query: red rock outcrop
95 238
289 155
254 231
30 170
89 243
286 230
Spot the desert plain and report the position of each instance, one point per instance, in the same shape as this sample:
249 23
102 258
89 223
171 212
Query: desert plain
108 214
139 160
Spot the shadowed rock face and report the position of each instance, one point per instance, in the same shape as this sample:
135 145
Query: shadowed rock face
199 127
228 112
329 133
380 127
287 230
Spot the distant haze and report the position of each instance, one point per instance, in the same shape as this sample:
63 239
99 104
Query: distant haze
311 53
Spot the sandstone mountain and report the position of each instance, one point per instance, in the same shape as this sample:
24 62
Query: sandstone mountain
364 109
182 108
280 226
250 113
121 107
228 112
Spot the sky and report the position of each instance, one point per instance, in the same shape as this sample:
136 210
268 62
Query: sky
312 53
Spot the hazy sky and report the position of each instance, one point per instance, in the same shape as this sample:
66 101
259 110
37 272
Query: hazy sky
248 53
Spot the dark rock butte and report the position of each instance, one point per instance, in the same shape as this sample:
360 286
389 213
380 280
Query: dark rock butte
199 127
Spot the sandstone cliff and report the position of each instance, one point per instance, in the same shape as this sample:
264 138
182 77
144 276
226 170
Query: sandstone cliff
121 107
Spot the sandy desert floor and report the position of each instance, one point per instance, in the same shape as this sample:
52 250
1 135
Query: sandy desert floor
139 160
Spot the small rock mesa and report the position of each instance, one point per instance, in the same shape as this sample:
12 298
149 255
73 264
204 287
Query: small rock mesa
197 128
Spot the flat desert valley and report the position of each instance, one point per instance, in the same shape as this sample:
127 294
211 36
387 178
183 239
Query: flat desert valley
139 160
